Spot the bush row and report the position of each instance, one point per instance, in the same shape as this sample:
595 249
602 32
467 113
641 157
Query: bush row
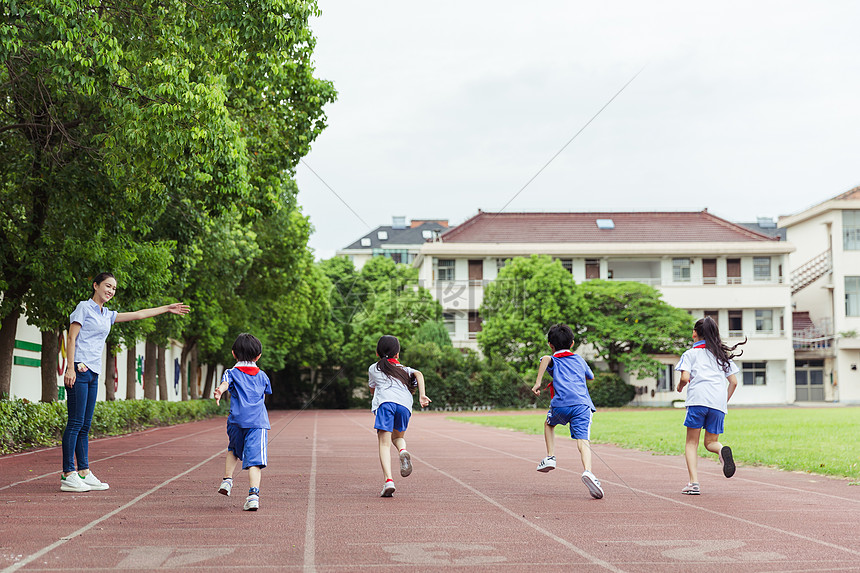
25 424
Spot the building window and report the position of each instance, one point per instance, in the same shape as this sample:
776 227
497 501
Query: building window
761 268
736 323
665 382
449 320
445 269
592 269
754 373
382 235
852 296
764 321
733 271
567 264
365 242
681 270
500 264
851 230
709 271
475 325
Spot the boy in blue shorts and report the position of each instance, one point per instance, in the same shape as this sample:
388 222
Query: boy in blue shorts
570 404
248 422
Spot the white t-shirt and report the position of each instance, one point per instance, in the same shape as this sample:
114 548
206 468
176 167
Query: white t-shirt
388 389
708 385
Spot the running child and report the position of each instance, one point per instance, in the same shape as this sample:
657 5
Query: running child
707 367
571 403
248 422
392 384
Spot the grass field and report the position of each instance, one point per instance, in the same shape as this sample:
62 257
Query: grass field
818 440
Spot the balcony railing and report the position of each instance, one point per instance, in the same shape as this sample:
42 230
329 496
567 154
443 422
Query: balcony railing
812 339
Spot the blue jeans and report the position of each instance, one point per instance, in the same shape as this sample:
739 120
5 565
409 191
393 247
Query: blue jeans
81 403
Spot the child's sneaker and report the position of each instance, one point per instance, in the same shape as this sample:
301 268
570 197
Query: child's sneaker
95 483
547 464
388 489
226 487
252 502
691 489
405 463
73 482
728 461
593 485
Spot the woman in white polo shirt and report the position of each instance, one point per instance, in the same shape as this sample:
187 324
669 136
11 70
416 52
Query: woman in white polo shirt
707 367
89 326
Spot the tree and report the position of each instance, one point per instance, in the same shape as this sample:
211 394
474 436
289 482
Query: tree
628 322
529 295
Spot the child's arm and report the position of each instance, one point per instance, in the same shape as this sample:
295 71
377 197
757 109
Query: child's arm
422 397
685 379
733 384
222 387
544 362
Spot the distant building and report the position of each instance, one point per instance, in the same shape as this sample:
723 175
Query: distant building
700 262
398 241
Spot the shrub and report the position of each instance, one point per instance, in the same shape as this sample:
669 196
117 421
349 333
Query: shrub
610 391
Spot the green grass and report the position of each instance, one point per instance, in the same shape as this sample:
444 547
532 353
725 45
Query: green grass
817 440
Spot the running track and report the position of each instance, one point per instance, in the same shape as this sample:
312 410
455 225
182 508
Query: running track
473 503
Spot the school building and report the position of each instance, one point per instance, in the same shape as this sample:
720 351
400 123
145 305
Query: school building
699 262
399 241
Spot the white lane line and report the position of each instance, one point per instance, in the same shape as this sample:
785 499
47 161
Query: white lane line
310 522
30 558
581 552
675 501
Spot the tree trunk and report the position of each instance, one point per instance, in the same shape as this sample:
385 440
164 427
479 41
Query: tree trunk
162 374
210 377
131 373
150 369
195 374
8 331
50 349
109 373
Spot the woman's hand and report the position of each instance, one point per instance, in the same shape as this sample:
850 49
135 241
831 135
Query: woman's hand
178 308
69 376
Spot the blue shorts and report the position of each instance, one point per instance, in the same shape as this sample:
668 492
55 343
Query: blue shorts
391 416
249 445
703 417
579 418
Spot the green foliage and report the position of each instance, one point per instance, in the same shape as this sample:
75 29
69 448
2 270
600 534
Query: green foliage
433 331
608 390
25 425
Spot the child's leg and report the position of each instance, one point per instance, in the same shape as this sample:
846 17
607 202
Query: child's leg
230 465
584 447
255 473
549 438
398 438
712 442
691 453
385 452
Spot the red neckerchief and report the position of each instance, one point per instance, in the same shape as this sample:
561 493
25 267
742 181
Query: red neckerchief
700 345
249 370
393 361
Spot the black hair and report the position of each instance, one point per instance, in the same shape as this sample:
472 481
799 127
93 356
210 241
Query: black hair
560 336
387 348
707 330
247 347
102 277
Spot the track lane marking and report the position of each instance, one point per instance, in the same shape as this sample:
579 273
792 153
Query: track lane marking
310 522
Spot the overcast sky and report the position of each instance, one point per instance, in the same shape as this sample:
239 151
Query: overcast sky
746 108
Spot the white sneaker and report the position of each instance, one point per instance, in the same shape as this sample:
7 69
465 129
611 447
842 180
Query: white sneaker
226 487
95 483
593 485
547 464
252 502
388 489
73 482
405 463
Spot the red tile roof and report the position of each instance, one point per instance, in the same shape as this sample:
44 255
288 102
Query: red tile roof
699 226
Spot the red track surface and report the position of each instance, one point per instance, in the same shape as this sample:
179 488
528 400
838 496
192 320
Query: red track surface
473 503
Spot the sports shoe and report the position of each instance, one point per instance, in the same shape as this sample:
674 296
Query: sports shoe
73 482
252 502
226 486
95 483
727 461
405 463
593 485
691 489
388 489
547 464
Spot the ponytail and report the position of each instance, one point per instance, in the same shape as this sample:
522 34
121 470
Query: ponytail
707 330
387 348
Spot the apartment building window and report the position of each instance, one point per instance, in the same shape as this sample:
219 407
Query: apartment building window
715 314
764 321
449 320
476 272
445 269
754 373
665 382
681 270
500 264
733 271
709 271
852 296
736 323
851 230
761 268
567 264
474 324
592 269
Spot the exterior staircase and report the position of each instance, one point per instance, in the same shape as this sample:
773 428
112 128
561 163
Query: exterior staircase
811 271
